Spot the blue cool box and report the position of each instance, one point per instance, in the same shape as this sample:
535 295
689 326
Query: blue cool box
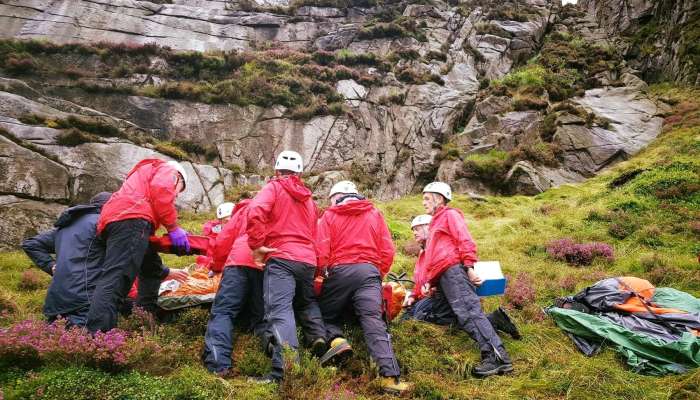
494 281
492 287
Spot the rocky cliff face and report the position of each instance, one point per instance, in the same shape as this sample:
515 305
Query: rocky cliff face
660 38
390 94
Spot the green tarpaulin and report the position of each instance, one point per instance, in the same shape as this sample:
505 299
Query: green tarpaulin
644 354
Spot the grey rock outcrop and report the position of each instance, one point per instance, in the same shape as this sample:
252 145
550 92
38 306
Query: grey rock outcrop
631 122
661 35
23 218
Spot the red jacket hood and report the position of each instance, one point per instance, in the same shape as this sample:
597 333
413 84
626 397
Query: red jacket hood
240 205
145 161
352 207
294 186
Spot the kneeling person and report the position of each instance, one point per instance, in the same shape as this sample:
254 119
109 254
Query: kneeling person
356 251
450 255
428 305
241 286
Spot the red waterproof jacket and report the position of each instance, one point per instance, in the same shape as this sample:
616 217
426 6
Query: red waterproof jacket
354 232
148 192
449 243
283 216
419 278
231 245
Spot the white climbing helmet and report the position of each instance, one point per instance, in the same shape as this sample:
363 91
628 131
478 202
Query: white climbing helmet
224 210
421 220
345 187
439 188
289 160
178 167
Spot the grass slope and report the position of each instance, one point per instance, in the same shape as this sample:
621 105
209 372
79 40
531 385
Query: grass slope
648 208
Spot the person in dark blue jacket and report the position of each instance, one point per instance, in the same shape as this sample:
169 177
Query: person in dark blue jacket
78 262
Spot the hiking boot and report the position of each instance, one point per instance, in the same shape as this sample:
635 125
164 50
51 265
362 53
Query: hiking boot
393 385
492 366
264 380
339 352
502 322
319 347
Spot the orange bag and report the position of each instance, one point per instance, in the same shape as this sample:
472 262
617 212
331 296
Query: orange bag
393 295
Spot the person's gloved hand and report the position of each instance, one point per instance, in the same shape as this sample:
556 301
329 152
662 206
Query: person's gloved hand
179 238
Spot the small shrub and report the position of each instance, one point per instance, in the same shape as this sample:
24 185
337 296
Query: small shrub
490 167
520 291
654 261
394 98
75 137
436 55
579 253
485 28
172 150
348 58
450 151
7 305
193 321
538 152
568 283
93 127
665 275
38 342
139 320
20 64
621 224
651 237
694 227
32 119
190 146
382 30
31 280
526 102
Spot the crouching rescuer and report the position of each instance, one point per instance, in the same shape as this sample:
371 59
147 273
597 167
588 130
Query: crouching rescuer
281 229
355 251
145 201
450 254
428 305
240 290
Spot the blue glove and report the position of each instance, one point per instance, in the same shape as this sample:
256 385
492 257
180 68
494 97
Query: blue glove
179 238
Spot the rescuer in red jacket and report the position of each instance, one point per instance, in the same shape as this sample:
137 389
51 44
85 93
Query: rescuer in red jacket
145 201
450 254
281 229
428 305
355 251
240 289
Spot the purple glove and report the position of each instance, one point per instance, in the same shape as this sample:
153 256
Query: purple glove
179 238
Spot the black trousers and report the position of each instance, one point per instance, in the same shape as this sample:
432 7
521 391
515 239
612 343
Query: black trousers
288 287
464 302
356 289
127 255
